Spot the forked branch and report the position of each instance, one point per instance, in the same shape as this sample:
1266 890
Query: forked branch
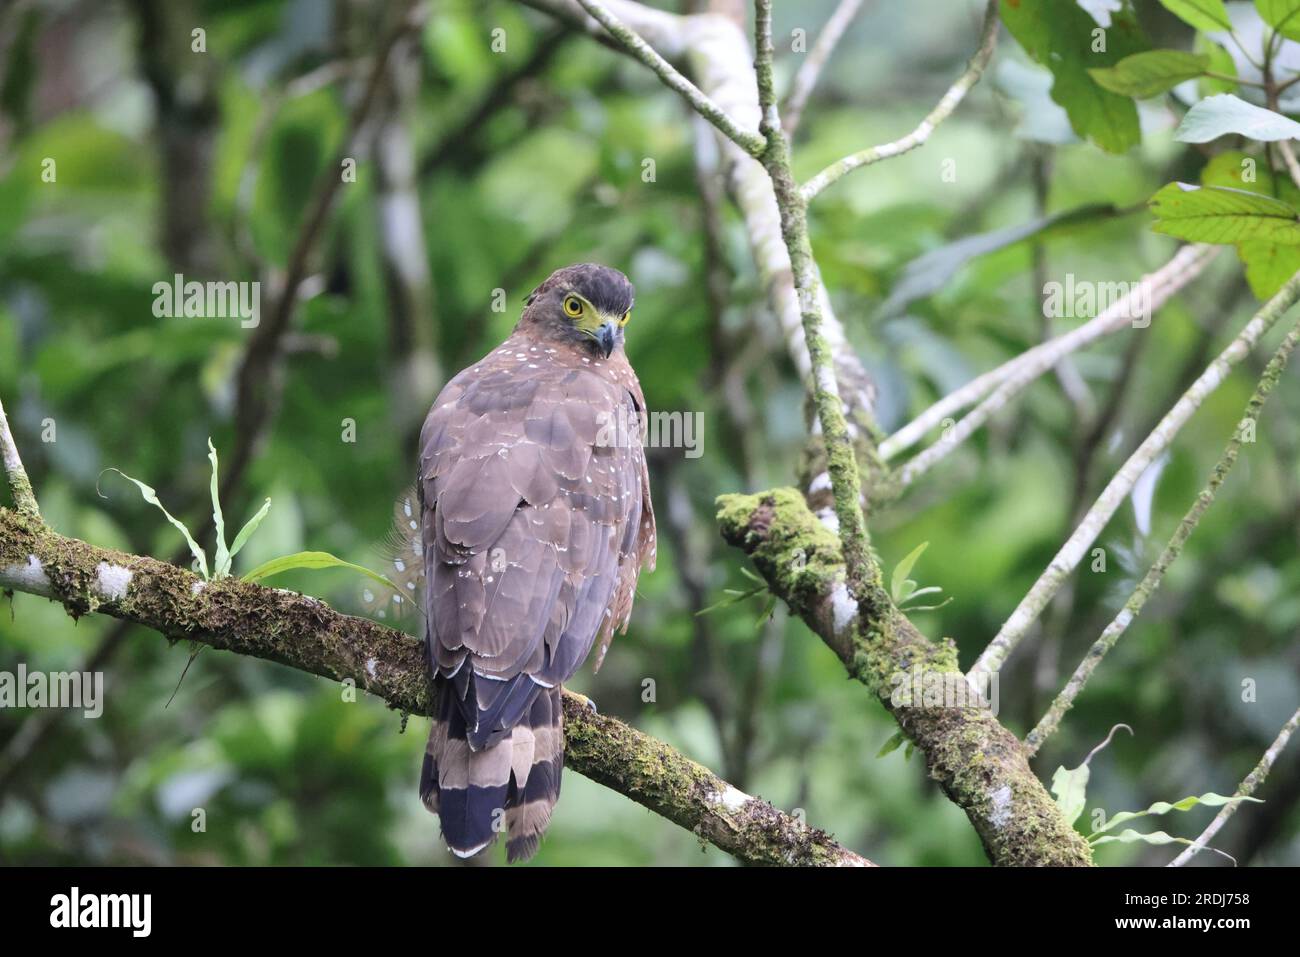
1119 487
942 110
1155 574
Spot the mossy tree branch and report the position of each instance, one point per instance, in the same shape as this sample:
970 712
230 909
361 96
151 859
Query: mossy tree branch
980 765
841 458
20 486
306 634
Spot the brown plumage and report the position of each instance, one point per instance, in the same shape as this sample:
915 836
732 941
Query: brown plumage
536 520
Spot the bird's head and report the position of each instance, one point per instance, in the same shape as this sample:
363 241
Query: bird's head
587 304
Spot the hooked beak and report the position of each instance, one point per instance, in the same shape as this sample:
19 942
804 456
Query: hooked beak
605 338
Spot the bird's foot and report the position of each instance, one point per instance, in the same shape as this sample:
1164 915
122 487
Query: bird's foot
586 702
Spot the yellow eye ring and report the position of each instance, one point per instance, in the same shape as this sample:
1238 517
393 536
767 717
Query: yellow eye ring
573 307
626 316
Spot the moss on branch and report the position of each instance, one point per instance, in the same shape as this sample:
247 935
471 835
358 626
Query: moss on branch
670 784
306 634
980 765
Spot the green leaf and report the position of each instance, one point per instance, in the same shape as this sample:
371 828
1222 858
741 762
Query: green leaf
220 561
249 528
931 590
1209 15
946 601
1131 836
911 596
1236 170
1144 75
1161 807
1065 39
150 496
898 579
1070 787
1223 113
1214 214
734 597
312 560
1268 265
893 744
1282 15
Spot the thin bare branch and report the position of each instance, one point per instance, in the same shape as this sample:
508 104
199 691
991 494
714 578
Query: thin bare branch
942 110
810 70
751 142
1188 263
1249 785
1119 487
1144 299
1156 573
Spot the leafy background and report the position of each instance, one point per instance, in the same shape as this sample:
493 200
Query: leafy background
550 174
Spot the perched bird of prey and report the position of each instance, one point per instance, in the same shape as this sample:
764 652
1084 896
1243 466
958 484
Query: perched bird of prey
535 522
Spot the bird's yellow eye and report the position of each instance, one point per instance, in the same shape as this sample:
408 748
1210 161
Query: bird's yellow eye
626 316
573 306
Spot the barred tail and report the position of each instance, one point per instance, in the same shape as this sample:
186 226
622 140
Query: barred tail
512 784
539 764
